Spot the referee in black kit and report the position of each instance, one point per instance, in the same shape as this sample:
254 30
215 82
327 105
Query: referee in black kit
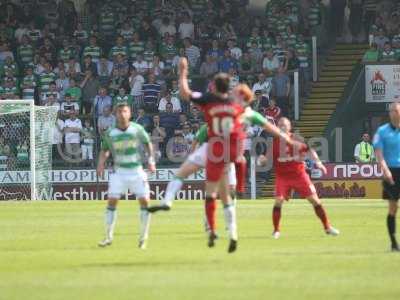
387 151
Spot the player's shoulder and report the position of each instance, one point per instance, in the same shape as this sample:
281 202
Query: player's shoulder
384 128
136 126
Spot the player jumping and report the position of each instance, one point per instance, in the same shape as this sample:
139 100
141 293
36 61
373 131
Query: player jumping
291 175
122 142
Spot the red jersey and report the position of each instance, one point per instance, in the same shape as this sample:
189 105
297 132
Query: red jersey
286 159
221 114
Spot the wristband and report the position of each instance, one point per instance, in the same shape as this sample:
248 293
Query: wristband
151 160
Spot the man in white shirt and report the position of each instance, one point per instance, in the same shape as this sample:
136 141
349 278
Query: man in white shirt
136 81
51 101
236 52
186 28
270 63
176 104
72 131
142 66
262 85
57 139
167 27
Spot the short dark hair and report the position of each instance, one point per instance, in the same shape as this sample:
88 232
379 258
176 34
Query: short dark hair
222 82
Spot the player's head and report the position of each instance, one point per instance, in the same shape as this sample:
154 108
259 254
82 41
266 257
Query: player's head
221 81
284 125
123 114
394 113
243 94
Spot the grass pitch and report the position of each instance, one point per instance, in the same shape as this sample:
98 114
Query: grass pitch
48 250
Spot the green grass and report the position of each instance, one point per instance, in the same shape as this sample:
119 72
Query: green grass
48 251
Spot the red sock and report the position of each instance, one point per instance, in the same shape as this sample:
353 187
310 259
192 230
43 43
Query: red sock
241 170
276 217
211 209
320 212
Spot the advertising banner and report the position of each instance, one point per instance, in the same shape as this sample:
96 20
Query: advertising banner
382 83
369 189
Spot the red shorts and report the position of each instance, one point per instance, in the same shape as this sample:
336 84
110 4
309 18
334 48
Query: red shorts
219 154
301 183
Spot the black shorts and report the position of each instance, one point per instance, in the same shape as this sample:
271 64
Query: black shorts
392 192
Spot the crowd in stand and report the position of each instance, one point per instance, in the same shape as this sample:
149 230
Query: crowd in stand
84 60
383 24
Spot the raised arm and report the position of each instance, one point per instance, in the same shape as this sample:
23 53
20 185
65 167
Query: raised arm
184 89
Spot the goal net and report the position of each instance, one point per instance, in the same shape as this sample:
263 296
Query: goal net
25 150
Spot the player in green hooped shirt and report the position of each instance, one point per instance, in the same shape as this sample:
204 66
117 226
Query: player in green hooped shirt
122 141
197 160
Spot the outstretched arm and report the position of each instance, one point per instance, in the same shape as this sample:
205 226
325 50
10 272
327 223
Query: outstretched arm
184 89
314 156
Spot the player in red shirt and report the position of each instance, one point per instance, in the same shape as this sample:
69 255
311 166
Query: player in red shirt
223 114
291 176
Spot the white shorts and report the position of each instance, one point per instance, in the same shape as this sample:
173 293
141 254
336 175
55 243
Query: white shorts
199 158
133 180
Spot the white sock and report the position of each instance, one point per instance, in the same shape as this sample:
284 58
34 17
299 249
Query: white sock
173 187
110 219
230 221
145 217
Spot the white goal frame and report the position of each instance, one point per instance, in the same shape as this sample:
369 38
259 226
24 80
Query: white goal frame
32 141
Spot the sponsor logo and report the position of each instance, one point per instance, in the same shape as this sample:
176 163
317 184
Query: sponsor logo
378 85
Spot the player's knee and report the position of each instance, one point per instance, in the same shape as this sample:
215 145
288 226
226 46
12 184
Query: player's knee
210 199
278 202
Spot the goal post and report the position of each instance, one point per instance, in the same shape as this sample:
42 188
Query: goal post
25 149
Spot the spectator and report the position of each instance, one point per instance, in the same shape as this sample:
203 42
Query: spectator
46 77
89 64
169 120
90 85
151 94
281 90
270 63
192 52
106 120
101 101
380 39
136 82
117 80
234 78
364 152
156 67
176 104
195 115
104 68
88 139
236 52
209 67
215 51
143 119
187 133
72 129
58 135
119 49
178 147
272 111
256 55
51 101
9 89
28 84
68 105
158 135
122 97
51 92
135 47
121 64
246 65
141 66
62 84
387 54
167 27
263 85
25 52
74 91
93 50
186 28
260 101
227 62
72 67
